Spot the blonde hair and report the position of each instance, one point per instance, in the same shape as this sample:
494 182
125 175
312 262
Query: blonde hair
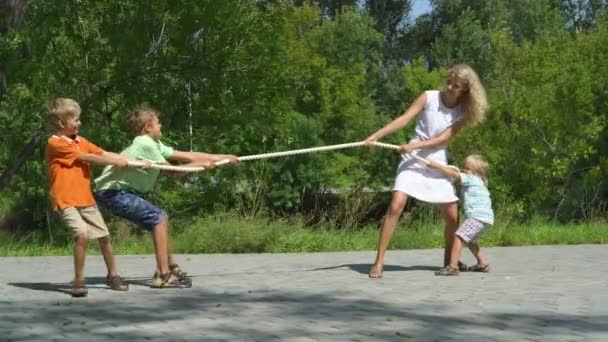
140 117
478 165
474 104
62 109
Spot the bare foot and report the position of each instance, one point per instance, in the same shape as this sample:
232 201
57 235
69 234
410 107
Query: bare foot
376 271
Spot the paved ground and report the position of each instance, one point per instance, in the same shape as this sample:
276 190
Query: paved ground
544 293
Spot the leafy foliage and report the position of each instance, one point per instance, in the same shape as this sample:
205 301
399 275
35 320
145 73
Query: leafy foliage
259 76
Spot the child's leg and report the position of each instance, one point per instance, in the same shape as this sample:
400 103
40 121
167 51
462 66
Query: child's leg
469 232
72 218
160 238
481 260
80 253
138 210
452 268
97 229
113 280
449 212
391 218
106 250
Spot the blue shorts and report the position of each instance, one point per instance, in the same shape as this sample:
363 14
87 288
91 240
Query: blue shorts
130 206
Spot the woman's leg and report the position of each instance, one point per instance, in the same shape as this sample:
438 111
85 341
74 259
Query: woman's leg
449 212
389 223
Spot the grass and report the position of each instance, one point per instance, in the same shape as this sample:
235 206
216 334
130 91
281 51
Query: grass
232 234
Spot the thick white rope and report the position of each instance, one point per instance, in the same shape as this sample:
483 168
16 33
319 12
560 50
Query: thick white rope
274 155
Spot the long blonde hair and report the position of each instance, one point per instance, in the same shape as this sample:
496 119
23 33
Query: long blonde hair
478 165
474 103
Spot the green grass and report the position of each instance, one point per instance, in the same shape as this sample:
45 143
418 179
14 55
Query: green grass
232 234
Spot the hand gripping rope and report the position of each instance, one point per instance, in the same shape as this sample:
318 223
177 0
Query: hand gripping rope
276 154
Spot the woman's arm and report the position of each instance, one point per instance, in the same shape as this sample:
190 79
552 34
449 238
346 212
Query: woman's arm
441 139
401 121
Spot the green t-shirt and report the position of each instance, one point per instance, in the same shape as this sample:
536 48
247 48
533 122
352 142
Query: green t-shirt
143 147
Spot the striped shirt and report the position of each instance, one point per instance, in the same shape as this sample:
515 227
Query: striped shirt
477 202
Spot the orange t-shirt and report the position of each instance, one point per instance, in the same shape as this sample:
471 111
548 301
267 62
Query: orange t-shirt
70 178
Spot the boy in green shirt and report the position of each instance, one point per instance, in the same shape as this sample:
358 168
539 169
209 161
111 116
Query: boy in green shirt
121 191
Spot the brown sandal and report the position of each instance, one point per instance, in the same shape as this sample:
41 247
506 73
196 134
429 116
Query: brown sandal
170 281
448 271
177 272
484 268
116 283
79 289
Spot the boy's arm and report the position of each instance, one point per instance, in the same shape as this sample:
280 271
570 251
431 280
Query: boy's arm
103 159
146 165
201 158
450 171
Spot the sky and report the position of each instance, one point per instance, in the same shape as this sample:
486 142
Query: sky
420 7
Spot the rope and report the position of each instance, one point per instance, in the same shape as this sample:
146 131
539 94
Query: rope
275 155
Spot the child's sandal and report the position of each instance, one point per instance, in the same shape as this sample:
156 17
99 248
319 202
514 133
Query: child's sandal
168 282
448 271
116 283
484 268
177 271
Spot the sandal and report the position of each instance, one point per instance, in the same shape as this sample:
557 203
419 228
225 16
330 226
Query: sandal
484 268
177 272
168 280
376 271
79 289
116 283
448 271
462 267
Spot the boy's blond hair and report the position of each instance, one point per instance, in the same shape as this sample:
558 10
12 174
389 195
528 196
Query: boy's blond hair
475 102
140 117
62 109
478 165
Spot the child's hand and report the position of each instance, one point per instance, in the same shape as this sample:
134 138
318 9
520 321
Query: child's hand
147 165
209 165
232 159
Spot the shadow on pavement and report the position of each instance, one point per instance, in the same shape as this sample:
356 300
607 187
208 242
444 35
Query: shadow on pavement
364 268
91 282
271 315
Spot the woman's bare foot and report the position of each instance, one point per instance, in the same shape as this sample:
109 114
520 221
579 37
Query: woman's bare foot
376 271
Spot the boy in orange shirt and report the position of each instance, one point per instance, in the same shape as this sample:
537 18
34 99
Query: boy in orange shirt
68 159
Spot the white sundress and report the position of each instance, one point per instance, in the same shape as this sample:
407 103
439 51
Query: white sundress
416 179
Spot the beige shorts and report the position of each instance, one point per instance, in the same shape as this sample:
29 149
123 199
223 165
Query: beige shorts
86 221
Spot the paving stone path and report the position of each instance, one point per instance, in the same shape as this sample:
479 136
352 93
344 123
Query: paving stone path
540 293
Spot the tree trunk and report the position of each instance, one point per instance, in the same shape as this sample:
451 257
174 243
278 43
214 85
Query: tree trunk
25 153
11 16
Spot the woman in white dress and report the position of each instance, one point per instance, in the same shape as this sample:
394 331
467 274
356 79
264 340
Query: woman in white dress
440 115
